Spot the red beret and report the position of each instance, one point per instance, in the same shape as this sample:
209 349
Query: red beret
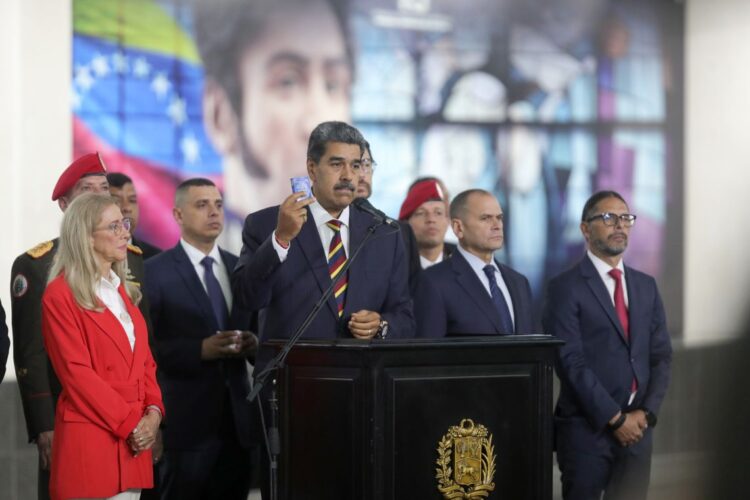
85 165
421 192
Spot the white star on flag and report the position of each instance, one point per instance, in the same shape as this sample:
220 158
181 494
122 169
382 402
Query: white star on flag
176 111
141 68
100 65
120 62
83 78
190 148
160 85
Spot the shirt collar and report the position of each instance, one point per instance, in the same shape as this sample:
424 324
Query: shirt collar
602 267
111 282
196 256
321 216
475 262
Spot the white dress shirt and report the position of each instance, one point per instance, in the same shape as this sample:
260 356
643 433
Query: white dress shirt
106 290
320 216
424 262
219 269
603 269
478 265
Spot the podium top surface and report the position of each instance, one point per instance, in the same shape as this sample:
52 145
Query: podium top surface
444 343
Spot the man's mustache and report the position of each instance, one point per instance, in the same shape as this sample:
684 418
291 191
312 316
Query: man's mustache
345 185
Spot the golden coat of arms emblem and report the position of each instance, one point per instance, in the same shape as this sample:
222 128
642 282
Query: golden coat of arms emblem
466 462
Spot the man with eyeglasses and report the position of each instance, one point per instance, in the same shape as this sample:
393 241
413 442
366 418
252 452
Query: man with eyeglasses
37 382
614 367
364 190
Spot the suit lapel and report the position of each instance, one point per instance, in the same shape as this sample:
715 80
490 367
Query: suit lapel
112 328
357 277
634 307
139 330
515 296
599 290
469 281
309 242
193 283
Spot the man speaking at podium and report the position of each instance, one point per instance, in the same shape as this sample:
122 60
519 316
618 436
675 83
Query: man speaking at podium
292 252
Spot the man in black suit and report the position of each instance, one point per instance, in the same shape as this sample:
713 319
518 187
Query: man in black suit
122 189
364 190
202 348
471 293
426 210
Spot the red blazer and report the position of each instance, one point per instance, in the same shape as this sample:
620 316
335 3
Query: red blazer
106 387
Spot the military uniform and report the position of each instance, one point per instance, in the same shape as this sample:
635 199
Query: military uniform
37 382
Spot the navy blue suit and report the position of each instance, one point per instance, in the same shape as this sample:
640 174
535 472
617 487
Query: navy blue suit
596 367
286 292
452 301
204 400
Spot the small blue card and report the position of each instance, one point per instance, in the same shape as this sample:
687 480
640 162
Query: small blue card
302 185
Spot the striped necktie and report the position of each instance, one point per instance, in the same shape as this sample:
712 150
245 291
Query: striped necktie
336 261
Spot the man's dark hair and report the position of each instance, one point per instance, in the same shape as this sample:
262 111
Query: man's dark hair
118 180
179 194
366 147
224 28
332 132
458 205
593 201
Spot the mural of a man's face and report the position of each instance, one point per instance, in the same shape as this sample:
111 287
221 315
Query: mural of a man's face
293 75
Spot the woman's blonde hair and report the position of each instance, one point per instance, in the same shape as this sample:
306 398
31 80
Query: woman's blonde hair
75 256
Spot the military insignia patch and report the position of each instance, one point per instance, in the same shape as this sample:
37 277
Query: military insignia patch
20 286
41 249
466 462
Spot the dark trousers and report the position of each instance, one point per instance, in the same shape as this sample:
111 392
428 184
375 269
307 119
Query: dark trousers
42 483
595 463
219 468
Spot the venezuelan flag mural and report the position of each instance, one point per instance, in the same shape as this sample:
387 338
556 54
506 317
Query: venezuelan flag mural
540 102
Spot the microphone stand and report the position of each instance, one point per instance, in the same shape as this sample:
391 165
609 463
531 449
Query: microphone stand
272 433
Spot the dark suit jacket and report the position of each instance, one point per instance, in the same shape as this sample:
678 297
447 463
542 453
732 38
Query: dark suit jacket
4 342
412 255
596 365
194 389
452 301
286 292
149 250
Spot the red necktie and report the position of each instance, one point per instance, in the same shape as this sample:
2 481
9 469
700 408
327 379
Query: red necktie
620 307
622 311
336 260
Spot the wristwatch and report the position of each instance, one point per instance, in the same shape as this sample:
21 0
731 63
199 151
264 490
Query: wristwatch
382 329
650 417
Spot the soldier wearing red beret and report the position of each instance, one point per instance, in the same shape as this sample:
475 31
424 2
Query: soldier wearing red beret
426 210
38 384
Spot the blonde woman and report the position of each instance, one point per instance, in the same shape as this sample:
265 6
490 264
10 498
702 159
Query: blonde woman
110 407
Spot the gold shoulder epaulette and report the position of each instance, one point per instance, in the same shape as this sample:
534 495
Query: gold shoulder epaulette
41 249
135 249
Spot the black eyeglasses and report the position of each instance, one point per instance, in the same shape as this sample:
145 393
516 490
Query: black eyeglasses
610 219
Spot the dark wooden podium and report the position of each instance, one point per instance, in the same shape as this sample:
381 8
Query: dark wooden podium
364 420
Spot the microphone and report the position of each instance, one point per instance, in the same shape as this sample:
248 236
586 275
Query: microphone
365 206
